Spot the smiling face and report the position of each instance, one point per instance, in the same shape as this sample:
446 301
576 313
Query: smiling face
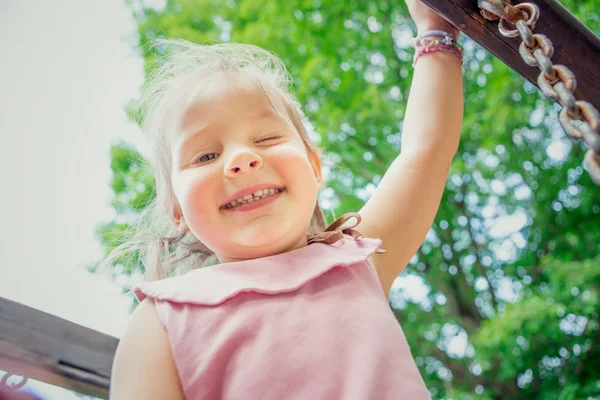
231 141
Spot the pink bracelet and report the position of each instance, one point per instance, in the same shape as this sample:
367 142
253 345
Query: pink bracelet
432 47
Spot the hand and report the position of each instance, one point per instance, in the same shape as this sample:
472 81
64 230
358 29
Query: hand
426 19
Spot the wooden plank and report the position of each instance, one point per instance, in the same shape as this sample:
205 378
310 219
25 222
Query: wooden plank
50 349
574 44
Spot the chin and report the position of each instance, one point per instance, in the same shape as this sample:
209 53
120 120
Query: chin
265 242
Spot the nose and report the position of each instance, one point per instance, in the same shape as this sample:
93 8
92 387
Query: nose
243 161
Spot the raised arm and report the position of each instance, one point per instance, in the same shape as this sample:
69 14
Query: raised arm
405 203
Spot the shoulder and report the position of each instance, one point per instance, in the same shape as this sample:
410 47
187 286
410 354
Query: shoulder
143 366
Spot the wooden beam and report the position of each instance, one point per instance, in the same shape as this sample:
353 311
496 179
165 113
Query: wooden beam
50 349
575 46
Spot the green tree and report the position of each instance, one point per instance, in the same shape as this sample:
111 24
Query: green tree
509 273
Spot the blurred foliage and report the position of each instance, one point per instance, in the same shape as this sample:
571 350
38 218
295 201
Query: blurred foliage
502 300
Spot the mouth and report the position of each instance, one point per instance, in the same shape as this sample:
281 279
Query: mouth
254 200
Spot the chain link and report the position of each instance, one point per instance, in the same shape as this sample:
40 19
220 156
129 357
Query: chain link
13 389
557 82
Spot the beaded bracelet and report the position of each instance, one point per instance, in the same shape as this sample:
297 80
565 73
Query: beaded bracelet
447 38
425 45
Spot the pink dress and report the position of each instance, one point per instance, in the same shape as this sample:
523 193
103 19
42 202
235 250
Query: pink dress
312 323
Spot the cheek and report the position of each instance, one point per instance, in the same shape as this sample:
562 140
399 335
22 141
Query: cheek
196 193
293 166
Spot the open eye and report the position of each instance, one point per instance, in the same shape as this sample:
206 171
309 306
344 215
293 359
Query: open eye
206 157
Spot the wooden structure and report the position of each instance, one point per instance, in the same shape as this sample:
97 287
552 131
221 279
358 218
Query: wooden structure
50 349
574 44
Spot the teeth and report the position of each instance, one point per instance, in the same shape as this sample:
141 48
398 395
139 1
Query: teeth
249 198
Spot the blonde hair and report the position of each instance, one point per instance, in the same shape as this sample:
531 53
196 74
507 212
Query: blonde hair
163 250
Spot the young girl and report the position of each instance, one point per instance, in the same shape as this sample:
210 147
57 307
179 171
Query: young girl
275 305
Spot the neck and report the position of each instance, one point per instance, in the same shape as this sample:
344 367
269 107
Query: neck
266 251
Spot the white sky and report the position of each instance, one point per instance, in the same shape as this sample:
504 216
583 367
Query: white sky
65 75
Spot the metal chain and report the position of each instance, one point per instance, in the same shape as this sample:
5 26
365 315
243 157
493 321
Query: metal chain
557 82
5 387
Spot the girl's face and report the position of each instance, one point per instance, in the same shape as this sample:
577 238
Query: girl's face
235 142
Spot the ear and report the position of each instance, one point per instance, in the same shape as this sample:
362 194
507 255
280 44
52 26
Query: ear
183 228
315 162
178 220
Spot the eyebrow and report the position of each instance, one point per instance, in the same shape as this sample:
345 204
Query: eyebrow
266 114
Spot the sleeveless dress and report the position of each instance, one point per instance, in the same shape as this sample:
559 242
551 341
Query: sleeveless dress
312 323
